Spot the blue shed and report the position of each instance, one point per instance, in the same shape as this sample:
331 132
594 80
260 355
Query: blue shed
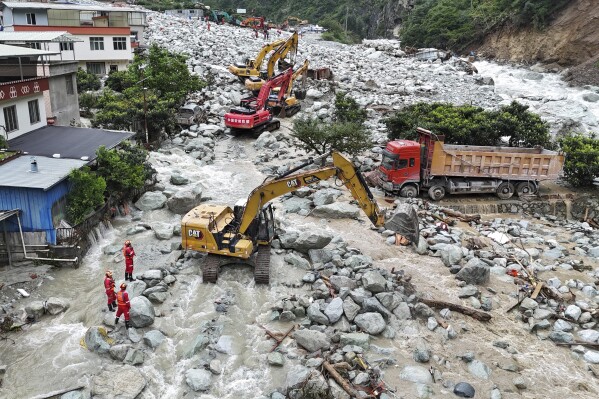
38 187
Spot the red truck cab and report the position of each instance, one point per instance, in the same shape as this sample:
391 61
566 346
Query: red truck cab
399 172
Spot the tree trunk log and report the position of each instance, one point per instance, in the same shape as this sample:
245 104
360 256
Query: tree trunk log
340 380
474 313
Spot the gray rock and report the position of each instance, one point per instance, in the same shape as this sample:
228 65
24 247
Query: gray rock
337 210
359 294
75 395
311 340
198 380
562 325
55 306
590 97
422 353
417 374
321 256
163 231
152 274
451 255
520 383
339 282
315 315
296 376
591 357
405 222
265 140
358 339
35 310
468 291
350 308
373 305
402 311
118 352
294 259
199 344
96 340
388 300
178 180
591 336
158 297
136 288
305 240
561 337
184 200
326 196
134 357
118 381
529 304
334 310
224 344
133 335
372 323
374 282
573 312
153 338
337 392
475 272
142 312
151 200
464 390
295 204
215 367
276 359
479 369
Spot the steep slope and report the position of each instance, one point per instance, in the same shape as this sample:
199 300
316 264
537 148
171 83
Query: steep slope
571 39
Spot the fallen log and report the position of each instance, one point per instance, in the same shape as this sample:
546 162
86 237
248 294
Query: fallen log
340 380
583 343
474 313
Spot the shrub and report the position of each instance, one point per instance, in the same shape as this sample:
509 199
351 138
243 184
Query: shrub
87 193
121 168
87 81
582 159
321 138
87 101
348 110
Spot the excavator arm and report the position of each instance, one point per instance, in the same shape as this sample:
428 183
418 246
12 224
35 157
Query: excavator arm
278 81
342 169
300 71
267 48
290 45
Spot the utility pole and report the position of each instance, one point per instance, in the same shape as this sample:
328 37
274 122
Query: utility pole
142 68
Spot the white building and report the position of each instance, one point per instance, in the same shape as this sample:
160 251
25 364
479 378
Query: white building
108 34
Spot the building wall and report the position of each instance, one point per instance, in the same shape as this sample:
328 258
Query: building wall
19 16
65 107
83 50
23 115
36 207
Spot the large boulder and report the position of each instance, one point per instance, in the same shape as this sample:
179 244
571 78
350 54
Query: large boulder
451 255
371 322
374 282
336 210
96 339
118 381
296 376
326 196
316 316
151 200
305 240
266 140
178 180
417 374
135 288
358 339
198 380
475 272
334 310
350 308
118 352
311 340
184 200
55 306
163 231
405 222
153 338
35 310
142 312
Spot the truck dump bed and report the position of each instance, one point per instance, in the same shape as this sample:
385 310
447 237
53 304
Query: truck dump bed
509 163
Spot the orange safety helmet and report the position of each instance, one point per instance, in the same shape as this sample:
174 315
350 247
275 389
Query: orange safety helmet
123 286
108 273
127 242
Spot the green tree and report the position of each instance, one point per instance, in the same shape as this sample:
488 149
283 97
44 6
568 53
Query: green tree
119 170
348 110
87 193
87 81
582 159
119 80
321 138
470 125
87 101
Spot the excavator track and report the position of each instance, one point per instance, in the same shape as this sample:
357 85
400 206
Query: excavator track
210 268
292 110
262 268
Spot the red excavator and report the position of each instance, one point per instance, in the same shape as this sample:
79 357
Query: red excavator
254 115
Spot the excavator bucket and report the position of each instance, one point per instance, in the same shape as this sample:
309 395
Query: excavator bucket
404 221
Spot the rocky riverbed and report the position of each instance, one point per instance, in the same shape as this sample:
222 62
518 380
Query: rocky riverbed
344 289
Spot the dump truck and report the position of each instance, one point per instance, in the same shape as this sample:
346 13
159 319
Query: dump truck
409 168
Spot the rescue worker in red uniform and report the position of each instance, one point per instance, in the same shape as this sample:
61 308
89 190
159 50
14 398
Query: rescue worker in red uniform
122 298
109 287
129 253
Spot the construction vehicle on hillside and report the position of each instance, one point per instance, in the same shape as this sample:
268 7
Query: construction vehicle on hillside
254 115
253 22
287 105
289 47
252 67
409 167
292 23
243 234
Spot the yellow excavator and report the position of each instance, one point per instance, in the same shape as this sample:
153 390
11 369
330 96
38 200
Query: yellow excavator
255 82
243 234
251 67
289 104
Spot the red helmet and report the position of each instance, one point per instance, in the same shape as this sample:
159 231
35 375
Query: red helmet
123 286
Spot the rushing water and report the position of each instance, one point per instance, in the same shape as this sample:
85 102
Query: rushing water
47 355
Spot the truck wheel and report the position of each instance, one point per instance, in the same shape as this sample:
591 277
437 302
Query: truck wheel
525 188
408 191
436 192
505 190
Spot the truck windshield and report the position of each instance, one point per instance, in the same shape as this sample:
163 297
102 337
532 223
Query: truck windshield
388 162
185 111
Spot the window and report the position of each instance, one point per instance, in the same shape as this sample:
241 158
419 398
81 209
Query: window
412 162
114 68
36 45
68 80
97 68
34 111
66 46
402 163
96 43
31 19
119 43
10 118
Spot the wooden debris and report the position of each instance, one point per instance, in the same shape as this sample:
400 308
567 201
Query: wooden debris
277 336
474 313
343 366
583 343
343 383
535 293
327 282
